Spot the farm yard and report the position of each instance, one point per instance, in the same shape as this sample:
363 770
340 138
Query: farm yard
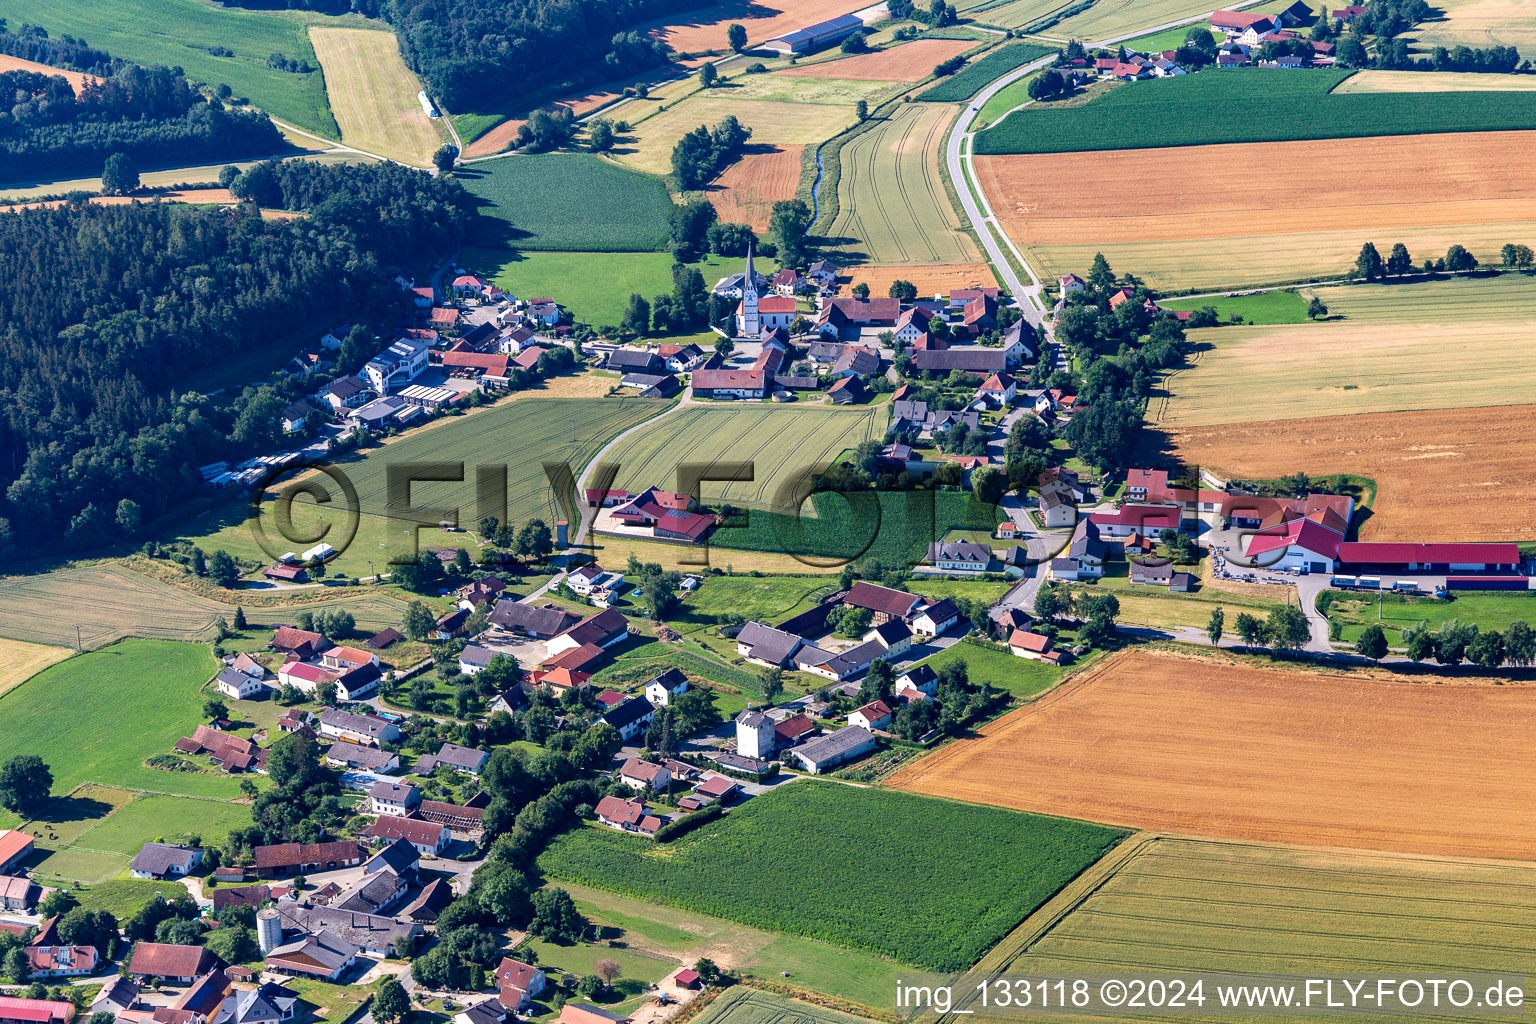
1445 344
1218 200
1245 752
760 866
179 33
125 703
785 444
522 435
373 94
910 62
1435 471
1175 906
1249 105
570 201
892 208
744 193
773 123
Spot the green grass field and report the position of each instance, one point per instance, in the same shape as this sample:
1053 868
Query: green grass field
1165 906
937 587
1004 100
784 444
763 866
569 201
594 286
650 927
976 75
124 897
178 33
1169 39
522 435
753 1006
169 819
892 207
1279 307
96 717
1503 297
1487 610
1249 105
1021 677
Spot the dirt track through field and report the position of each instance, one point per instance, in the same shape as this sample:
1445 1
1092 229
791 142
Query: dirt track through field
1159 741
1441 475
1248 189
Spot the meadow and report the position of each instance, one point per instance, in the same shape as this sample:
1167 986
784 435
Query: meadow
179 33
594 286
1395 614
523 435
373 94
1173 905
97 716
784 444
570 201
1281 306
1249 752
648 146
976 75
1434 345
1249 105
892 207
760 866
1019 677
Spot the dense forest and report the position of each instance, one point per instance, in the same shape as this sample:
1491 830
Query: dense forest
67 52
480 54
111 313
152 114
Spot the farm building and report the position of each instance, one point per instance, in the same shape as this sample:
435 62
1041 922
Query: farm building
827 752
1429 558
814 37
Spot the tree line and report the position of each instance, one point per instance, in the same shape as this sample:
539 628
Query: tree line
150 114
112 313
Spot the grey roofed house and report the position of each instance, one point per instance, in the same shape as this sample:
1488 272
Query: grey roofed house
909 411
633 359
117 995
536 620
511 700
1011 337
628 713
488 1011
764 643
977 359
267 1004
824 351
356 755
853 659
324 948
834 748
891 631
1085 540
811 656
1018 556
372 932
378 411
857 360
1157 575
399 856
943 419
465 759
965 551
161 859
378 893
429 902
371 726
477 655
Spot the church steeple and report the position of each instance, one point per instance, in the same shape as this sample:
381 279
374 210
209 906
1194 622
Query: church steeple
750 323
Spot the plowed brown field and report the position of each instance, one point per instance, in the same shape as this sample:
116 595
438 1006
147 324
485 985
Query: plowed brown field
1209 748
1191 192
911 62
746 191
1441 475
929 278
76 79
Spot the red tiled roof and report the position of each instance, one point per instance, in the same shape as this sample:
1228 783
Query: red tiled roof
287 638
623 812
1434 554
165 959
1029 641
897 603
1145 517
712 380
421 833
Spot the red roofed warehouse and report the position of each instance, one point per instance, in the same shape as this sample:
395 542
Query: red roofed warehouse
1430 558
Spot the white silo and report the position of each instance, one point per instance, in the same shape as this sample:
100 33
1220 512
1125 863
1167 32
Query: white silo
269 929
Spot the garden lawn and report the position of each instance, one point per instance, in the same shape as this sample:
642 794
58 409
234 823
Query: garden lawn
179 33
97 716
569 201
936 588
1021 677
170 819
1248 105
773 862
124 897
1273 307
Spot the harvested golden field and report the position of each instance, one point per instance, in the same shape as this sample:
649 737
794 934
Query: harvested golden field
373 94
1479 23
75 78
1179 744
20 661
1434 81
1441 475
704 28
911 62
930 279
746 191
1195 192
772 122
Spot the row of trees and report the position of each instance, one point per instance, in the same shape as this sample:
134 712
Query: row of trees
1457 259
